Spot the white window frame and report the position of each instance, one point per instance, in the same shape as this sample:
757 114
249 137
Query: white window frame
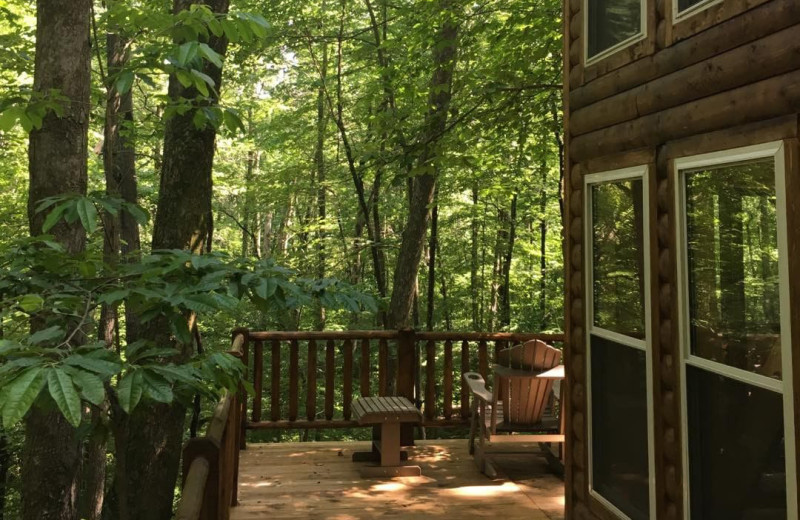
641 35
634 173
679 16
776 151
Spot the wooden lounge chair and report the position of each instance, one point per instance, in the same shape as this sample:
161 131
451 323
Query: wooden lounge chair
521 409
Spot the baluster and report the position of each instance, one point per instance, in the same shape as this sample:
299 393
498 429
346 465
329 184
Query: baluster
383 359
448 379
365 367
258 379
275 392
293 379
330 371
464 388
483 359
430 380
311 394
347 380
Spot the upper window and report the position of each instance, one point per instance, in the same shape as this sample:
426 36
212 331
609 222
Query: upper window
612 24
686 7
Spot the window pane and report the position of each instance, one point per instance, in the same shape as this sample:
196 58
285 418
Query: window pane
612 22
618 256
733 266
736 449
686 4
620 469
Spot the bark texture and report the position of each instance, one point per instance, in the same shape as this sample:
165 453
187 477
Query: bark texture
149 440
57 165
423 187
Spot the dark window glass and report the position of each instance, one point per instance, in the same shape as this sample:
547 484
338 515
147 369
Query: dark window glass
612 22
736 449
733 266
618 257
686 4
620 469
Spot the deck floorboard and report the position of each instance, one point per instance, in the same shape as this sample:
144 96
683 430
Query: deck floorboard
319 481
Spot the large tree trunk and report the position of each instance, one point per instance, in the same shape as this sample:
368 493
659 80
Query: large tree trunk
149 440
57 165
410 255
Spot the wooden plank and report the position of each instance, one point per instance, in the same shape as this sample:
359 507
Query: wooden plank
311 379
365 367
760 22
330 375
464 387
383 360
293 379
258 379
770 56
766 99
448 379
347 378
430 380
275 391
483 359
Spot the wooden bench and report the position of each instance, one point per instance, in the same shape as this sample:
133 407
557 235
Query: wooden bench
388 413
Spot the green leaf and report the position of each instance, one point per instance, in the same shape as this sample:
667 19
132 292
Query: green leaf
65 395
45 335
157 388
88 214
187 52
210 54
180 329
139 215
18 396
266 287
129 390
9 117
53 217
91 386
31 302
98 366
124 82
184 77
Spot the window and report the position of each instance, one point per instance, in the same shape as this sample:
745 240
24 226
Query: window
735 338
620 395
612 24
687 7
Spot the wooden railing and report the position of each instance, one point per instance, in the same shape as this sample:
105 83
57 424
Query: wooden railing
211 462
331 365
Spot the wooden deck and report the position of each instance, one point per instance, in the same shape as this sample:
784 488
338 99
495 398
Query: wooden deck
318 480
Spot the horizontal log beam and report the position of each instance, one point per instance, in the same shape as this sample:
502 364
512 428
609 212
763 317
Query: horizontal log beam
765 99
757 23
336 424
771 56
393 334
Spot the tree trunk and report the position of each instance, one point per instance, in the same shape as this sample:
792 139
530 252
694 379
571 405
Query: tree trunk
433 245
319 166
543 314
51 458
149 440
410 255
473 266
504 290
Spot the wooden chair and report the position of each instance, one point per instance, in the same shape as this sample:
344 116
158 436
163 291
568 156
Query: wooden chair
524 399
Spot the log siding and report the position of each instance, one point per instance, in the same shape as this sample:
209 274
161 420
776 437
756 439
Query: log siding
726 76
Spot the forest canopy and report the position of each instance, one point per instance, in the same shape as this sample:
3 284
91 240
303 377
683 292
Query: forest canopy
170 171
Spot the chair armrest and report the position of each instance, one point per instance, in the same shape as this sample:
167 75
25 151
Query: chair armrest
553 373
477 386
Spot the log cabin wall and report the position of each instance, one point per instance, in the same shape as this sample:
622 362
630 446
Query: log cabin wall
726 76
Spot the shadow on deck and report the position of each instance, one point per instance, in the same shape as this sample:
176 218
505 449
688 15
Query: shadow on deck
318 480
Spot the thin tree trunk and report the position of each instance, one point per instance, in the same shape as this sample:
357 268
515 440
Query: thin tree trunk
149 440
409 257
433 245
473 265
51 460
504 289
319 164
543 314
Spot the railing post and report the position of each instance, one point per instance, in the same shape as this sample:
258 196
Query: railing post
406 345
245 358
210 451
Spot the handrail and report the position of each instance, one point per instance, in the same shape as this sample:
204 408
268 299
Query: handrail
211 462
328 369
